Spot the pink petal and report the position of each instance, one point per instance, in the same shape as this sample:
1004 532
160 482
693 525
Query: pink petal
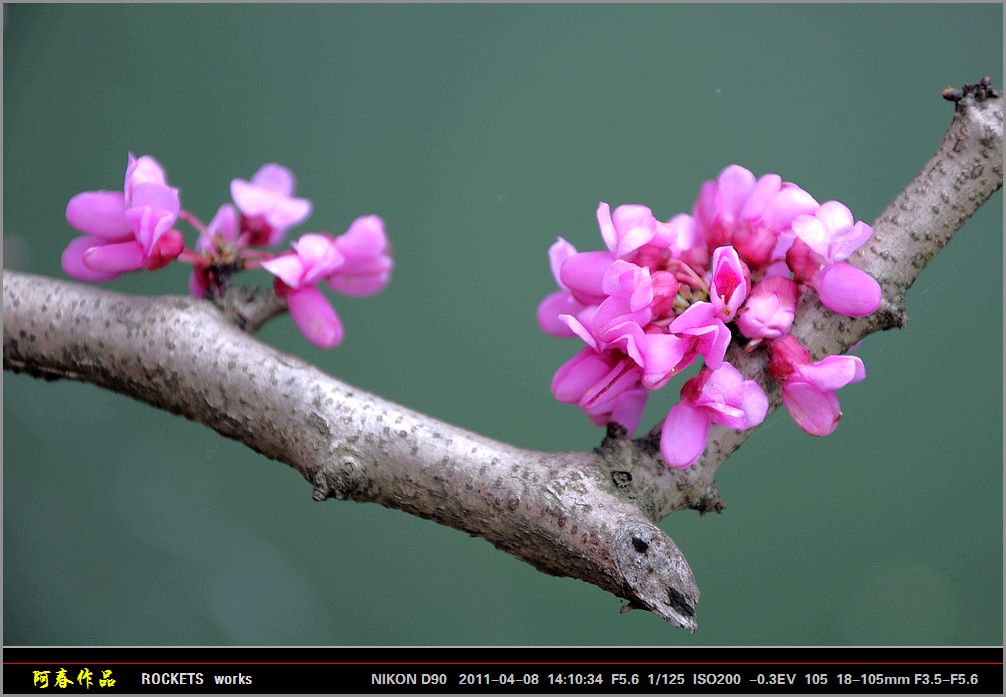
149 224
365 239
165 250
814 411
287 267
835 216
735 186
577 326
225 222
730 283
812 233
583 274
558 303
288 212
319 256
754 403
842 246
143 170
99 213
252 200
560 251
275 178
601 397
315 317
604 221
115 258
73 260
579 374
628 409
361 284
683 437
664 356
764 191
782 210
847 290
833 372
635 226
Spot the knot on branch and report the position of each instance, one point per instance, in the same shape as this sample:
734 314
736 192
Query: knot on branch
981 91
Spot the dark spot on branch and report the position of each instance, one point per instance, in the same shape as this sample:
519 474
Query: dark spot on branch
640 545
621 478
679 602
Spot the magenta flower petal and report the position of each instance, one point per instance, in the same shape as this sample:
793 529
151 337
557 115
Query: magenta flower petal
363 282
558 303
812 232
730 283
790 202
764 191
319 256
683 436
835 216
276 178
149 224
251 199
843 245
224 225
142 170
100 214
577 375
364 240
288 212
735 185
607 226
769 310
560 251
115 258
833 372
845 289
287 267
583 274
814 411
315 317
664 356
73 260
754 403
579 328
628 409
635 226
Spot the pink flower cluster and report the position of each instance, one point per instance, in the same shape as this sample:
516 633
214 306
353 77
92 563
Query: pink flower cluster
664 294
134 229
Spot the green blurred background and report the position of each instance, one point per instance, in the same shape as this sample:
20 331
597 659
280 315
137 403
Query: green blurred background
480 133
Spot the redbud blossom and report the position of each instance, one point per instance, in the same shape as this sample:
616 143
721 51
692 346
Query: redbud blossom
124 231
719 396
808 389
314 257
267 204
825 240
769 310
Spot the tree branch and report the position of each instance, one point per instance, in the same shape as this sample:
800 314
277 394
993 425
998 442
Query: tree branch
587 515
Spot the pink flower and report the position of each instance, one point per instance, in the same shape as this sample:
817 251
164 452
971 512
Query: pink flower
313 258
808 389
604 386
267 204
719 396
222 229
752 215
630 228
695 332
769 310
124 231
825 240
730 282
367 263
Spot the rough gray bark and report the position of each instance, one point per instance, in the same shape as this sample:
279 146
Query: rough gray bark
589 515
